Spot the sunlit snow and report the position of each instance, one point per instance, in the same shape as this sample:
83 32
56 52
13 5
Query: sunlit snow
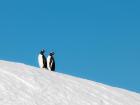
21 84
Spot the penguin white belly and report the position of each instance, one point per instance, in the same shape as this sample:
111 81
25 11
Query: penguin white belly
40 60
48 62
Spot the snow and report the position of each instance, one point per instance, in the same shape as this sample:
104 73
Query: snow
21 84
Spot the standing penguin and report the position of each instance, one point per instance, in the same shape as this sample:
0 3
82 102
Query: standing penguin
42 59
51 62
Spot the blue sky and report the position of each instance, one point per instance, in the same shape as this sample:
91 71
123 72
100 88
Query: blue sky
93 39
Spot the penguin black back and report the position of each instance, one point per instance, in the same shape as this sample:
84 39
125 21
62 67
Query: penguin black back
44 61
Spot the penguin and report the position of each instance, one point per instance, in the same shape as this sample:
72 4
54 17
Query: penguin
42 59
51 62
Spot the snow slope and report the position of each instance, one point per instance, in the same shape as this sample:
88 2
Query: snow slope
25 85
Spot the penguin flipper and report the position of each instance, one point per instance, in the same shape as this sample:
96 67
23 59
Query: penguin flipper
44 62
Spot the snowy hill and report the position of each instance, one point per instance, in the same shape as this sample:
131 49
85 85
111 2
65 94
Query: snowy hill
25 85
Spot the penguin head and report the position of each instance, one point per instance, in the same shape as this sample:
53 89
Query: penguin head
52 53
42 51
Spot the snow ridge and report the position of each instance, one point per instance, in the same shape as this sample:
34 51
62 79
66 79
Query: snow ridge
21 84
8 74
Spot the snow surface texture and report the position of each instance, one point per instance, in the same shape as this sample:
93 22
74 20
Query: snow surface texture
26 85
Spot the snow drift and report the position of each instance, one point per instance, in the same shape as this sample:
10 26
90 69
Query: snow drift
25 85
